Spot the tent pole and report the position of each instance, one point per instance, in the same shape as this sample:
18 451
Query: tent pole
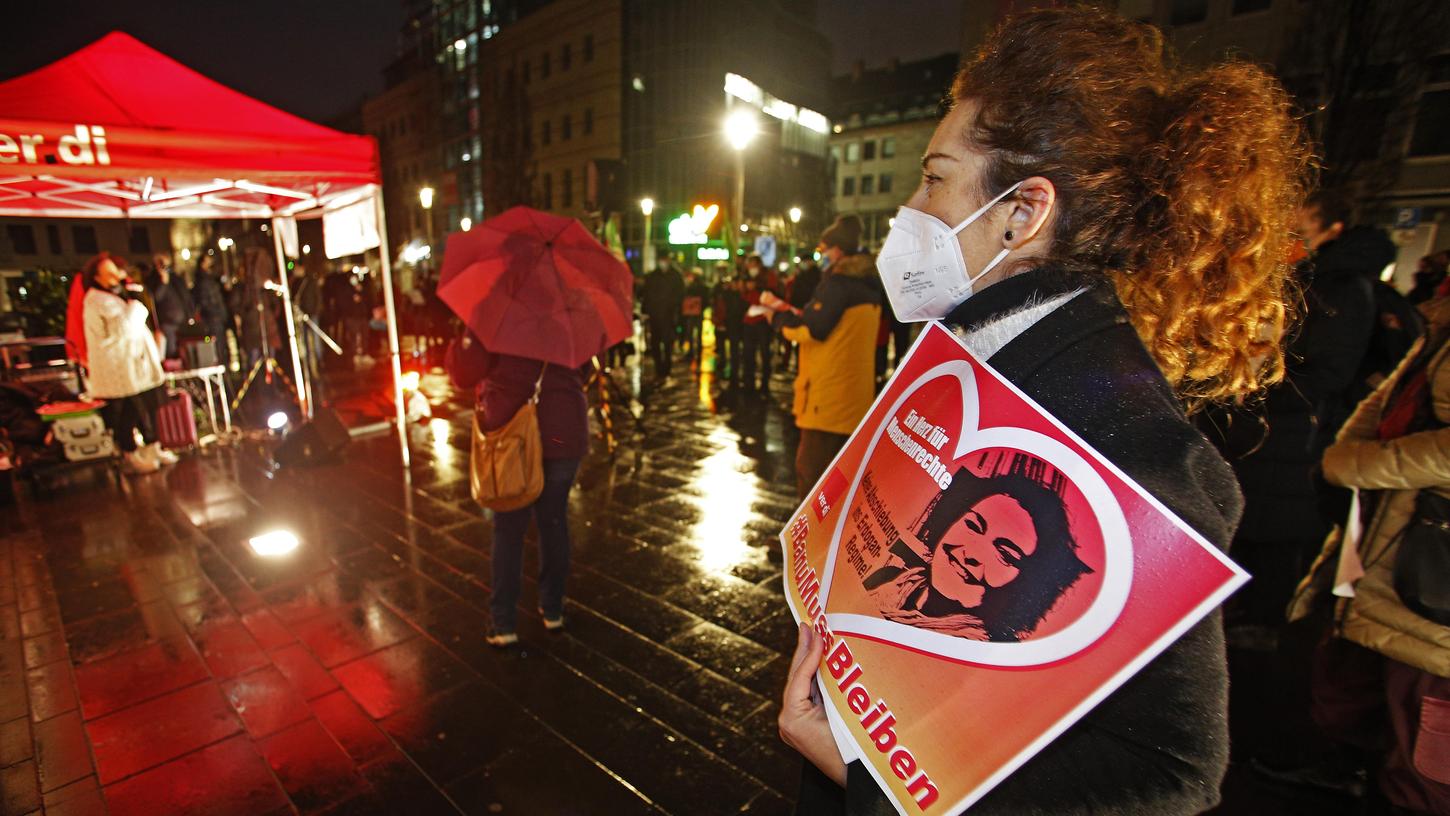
285 286
394 355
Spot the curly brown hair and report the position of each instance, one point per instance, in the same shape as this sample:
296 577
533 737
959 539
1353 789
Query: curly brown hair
1179 184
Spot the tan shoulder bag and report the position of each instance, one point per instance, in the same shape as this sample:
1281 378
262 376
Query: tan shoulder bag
506 471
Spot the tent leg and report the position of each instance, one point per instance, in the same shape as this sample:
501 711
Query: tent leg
394 354
285 286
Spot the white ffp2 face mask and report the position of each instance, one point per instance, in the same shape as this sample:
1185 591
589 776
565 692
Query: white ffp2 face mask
922 267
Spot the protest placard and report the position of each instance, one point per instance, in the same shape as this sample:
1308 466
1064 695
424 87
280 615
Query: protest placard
981 578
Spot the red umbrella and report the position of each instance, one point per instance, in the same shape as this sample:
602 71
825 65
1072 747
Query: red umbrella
539 286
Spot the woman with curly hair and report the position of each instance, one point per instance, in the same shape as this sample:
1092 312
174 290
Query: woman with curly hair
1107 230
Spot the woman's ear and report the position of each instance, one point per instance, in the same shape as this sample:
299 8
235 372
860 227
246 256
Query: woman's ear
1032 207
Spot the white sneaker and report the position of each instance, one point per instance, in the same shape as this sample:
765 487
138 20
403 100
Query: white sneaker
139 463
161 455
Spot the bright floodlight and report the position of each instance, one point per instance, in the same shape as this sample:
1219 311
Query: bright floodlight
465 223
425 197
273 544
306 248
185 254
795 215
277 421
646 205
740 128
411 380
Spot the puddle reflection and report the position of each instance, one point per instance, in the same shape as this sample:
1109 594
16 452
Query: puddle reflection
730 488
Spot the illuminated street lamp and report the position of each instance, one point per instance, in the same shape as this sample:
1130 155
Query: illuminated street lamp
795 220
647 253
465 223
425 199
740 128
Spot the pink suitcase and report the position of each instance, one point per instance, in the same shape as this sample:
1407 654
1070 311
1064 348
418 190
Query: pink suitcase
176 422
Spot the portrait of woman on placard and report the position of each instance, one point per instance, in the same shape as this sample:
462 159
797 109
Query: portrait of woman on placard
991 558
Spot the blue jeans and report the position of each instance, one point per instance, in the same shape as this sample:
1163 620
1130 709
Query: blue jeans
550 510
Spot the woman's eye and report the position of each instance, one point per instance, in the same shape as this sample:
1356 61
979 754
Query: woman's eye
975 522
1008 552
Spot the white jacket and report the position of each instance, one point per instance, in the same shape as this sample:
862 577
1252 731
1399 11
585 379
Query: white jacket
124 359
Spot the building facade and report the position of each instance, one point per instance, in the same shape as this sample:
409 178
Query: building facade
679 57
404 120
567 60
1386 130
583 107
883 120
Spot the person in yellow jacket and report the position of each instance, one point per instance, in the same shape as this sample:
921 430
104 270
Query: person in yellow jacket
836 331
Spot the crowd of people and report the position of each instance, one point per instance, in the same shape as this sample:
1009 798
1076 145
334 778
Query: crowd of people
742 304
1252 370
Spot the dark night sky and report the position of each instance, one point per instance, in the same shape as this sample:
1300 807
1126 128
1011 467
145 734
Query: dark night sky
317 58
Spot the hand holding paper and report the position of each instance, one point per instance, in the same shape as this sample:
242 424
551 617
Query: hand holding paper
770 301
802 721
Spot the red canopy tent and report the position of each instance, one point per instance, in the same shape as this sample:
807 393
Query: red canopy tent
120 130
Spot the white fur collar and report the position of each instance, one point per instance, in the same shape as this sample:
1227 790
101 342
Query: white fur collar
989 338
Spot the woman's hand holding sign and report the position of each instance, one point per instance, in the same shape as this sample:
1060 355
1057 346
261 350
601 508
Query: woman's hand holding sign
803 723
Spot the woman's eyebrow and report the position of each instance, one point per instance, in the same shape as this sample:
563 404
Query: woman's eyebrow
927 159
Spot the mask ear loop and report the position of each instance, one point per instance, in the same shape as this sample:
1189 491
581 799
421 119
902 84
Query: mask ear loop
978 214
989 205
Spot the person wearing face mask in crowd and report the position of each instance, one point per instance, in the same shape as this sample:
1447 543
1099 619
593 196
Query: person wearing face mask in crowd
1060 232
756 324
173 302
835 330
727 315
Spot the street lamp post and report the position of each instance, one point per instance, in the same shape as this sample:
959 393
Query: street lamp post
795 220
425 198
647 252
740 129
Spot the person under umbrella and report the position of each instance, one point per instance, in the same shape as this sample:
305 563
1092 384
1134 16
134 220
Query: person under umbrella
539 298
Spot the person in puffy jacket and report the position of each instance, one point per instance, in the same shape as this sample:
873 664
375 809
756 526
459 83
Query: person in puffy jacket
125 363
1387 678
836 331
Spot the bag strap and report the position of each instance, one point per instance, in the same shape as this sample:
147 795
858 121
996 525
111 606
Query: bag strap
539 384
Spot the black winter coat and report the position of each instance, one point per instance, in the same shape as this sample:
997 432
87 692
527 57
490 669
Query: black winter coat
210 300
1275 447
661 295
1158 746
172 299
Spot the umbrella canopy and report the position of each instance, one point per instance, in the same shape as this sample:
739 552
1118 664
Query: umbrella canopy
540 286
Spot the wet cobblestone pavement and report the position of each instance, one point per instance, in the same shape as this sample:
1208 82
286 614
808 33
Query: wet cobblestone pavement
150 663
